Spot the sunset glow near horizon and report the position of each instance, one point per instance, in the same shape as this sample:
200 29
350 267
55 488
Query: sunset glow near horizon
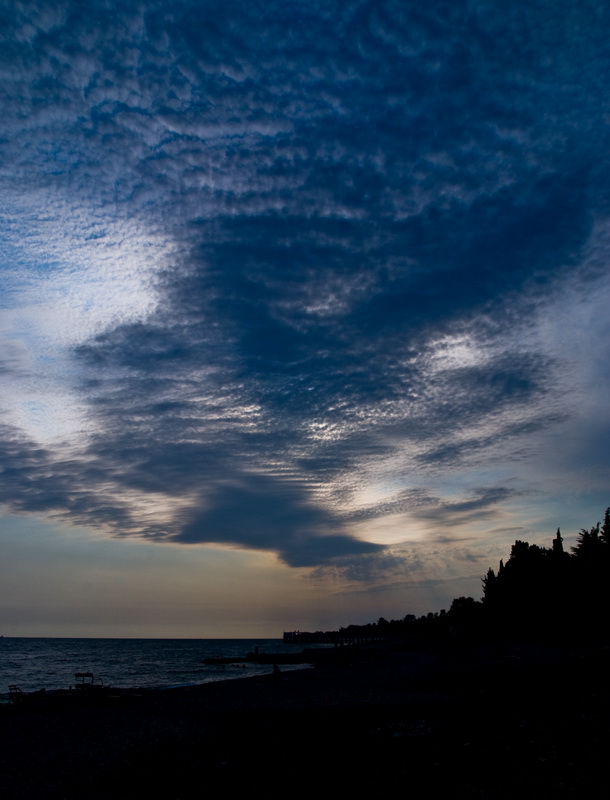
303 307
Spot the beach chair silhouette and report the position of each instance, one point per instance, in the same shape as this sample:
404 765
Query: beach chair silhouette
15 695
85 680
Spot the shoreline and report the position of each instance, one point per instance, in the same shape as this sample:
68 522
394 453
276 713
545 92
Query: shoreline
471 721
53 692
35 663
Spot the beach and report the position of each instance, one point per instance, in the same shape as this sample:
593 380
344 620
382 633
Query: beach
475 721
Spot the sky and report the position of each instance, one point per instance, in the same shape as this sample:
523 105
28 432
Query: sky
303 306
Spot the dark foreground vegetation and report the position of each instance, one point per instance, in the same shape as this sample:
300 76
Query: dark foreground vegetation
503 698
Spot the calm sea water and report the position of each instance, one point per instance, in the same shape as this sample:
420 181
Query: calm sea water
34 664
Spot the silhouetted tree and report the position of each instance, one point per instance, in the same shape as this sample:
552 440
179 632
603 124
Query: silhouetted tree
465 616
539 594
546 593
490 586
605 529
589 543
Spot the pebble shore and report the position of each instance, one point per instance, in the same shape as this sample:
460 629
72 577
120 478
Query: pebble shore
476 722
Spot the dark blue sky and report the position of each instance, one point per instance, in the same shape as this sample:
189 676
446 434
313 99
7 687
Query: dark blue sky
322 286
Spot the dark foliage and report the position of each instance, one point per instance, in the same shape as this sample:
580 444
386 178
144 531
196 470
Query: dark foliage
541 595
547 594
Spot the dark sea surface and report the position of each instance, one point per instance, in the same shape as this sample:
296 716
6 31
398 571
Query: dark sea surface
33 663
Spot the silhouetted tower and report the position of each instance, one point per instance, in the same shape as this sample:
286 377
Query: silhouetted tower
558 544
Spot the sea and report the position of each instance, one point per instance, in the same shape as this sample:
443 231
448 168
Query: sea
40 663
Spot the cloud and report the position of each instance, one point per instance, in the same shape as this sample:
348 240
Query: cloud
290 268
481 504
265 514
367 568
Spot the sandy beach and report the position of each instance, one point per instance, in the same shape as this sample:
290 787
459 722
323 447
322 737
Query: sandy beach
478 722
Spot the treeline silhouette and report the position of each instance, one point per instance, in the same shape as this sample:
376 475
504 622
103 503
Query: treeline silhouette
541 594
546 593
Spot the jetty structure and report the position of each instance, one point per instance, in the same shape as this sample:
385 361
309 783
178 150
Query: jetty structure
351 635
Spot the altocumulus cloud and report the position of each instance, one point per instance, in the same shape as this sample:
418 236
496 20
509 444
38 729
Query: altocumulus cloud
322 245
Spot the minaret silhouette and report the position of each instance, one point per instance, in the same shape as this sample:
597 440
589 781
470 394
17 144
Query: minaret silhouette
558 544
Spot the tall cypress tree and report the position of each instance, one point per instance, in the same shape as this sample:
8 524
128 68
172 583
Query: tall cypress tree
605 529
